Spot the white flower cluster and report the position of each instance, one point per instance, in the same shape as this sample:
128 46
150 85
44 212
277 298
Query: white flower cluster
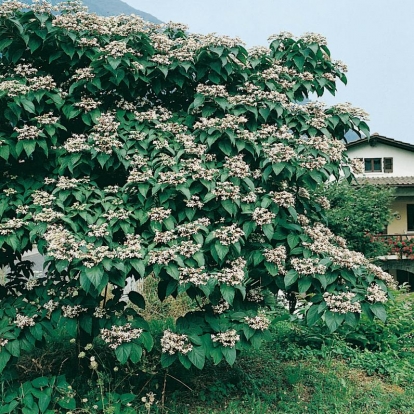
172 343
283 198
376 294
50 305
186 248
228 122
72 311
347 108
83 73
27 132
323 202
10 226
212 90
136 176
119 214
342 302
159 213
308 266
194 202
131 249
87 104
221 307
118 335
234 275
157 113
47 215
237 167
66 183
255 295
226 191
279 152
105 135
32 283
76 143
42 198
47 119
117 49
3 342
227 339
357 166
263 216
229 234
196 276
22 320
259 322
380 274
183 230
172 177
98 230
276 256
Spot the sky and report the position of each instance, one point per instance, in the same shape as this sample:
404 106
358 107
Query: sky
375 38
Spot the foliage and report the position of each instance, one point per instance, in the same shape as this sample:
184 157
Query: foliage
402 246
130 149
357 212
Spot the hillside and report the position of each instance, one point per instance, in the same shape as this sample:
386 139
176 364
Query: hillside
113 8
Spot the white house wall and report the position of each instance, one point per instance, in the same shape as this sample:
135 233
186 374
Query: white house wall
403 160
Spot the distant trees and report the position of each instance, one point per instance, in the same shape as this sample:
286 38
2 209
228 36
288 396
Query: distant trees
357 212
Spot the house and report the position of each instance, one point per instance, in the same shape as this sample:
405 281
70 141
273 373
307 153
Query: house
390 162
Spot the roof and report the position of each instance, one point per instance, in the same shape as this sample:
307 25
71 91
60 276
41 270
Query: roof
374 139
391 181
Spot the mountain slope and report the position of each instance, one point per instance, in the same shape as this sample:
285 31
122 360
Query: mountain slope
113 8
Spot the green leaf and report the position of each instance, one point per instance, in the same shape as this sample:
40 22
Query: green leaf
137 299
228 293
299 62
293 240
313 315
333 320
44 401
304 284
229 354
13 347
199 100
379 311
67 402
136 353
291 277
221 250
122 352
4 359
167 359
40 382
197 357
95 275
268 230
4 152
28 105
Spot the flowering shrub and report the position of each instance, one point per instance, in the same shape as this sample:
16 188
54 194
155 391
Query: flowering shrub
129 149
402 246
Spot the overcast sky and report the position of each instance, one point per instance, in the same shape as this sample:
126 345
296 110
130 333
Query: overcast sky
375 38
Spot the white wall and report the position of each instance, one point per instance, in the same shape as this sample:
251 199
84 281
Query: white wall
403 160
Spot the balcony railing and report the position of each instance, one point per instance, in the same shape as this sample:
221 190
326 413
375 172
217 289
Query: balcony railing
401 245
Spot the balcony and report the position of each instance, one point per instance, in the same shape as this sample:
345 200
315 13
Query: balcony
400 246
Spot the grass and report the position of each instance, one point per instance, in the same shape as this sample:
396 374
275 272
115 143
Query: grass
301 370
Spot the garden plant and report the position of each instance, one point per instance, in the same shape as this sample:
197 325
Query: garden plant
131 150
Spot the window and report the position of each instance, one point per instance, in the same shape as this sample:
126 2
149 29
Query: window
410 217
388 165
378 165
373 165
